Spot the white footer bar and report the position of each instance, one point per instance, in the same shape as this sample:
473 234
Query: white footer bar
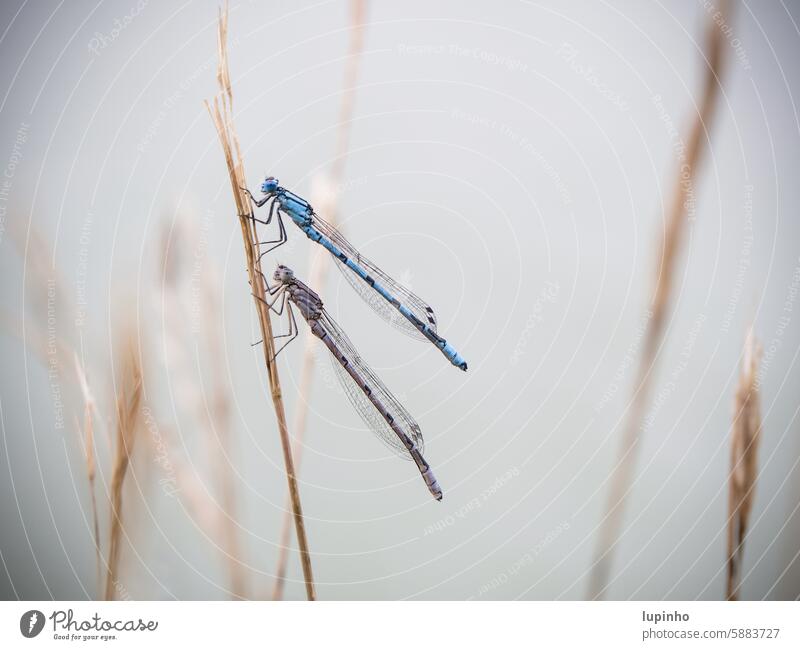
387 625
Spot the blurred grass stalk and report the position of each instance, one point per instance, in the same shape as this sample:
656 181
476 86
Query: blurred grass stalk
745 438
32 333
325 196
44 279
89 410
667 272
222 115
129 397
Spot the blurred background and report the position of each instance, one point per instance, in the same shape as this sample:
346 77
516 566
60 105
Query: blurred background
512 166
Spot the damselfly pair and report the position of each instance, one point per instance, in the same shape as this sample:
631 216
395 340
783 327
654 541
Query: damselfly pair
377 288
377 406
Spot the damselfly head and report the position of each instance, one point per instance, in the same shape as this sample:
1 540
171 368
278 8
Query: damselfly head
283 274
269 185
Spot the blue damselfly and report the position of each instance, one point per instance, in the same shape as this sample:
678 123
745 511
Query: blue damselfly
377 288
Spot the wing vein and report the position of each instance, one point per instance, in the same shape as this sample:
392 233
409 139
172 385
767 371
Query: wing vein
386 311
362 404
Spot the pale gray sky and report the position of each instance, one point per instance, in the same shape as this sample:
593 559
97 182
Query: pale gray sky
510 165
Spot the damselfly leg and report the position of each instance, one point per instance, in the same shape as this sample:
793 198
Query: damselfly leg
257 203
281 240
293 332
279 291
277 243
281 228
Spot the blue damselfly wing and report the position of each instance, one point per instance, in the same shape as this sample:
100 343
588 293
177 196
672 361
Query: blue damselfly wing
415 304
369 414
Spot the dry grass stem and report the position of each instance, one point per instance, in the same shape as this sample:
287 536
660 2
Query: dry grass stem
192 492
128 401
745 437
324 197
37 342
667 271
221 113
89 453
45 282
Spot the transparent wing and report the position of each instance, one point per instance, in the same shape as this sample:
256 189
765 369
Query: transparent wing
366 409
415 304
